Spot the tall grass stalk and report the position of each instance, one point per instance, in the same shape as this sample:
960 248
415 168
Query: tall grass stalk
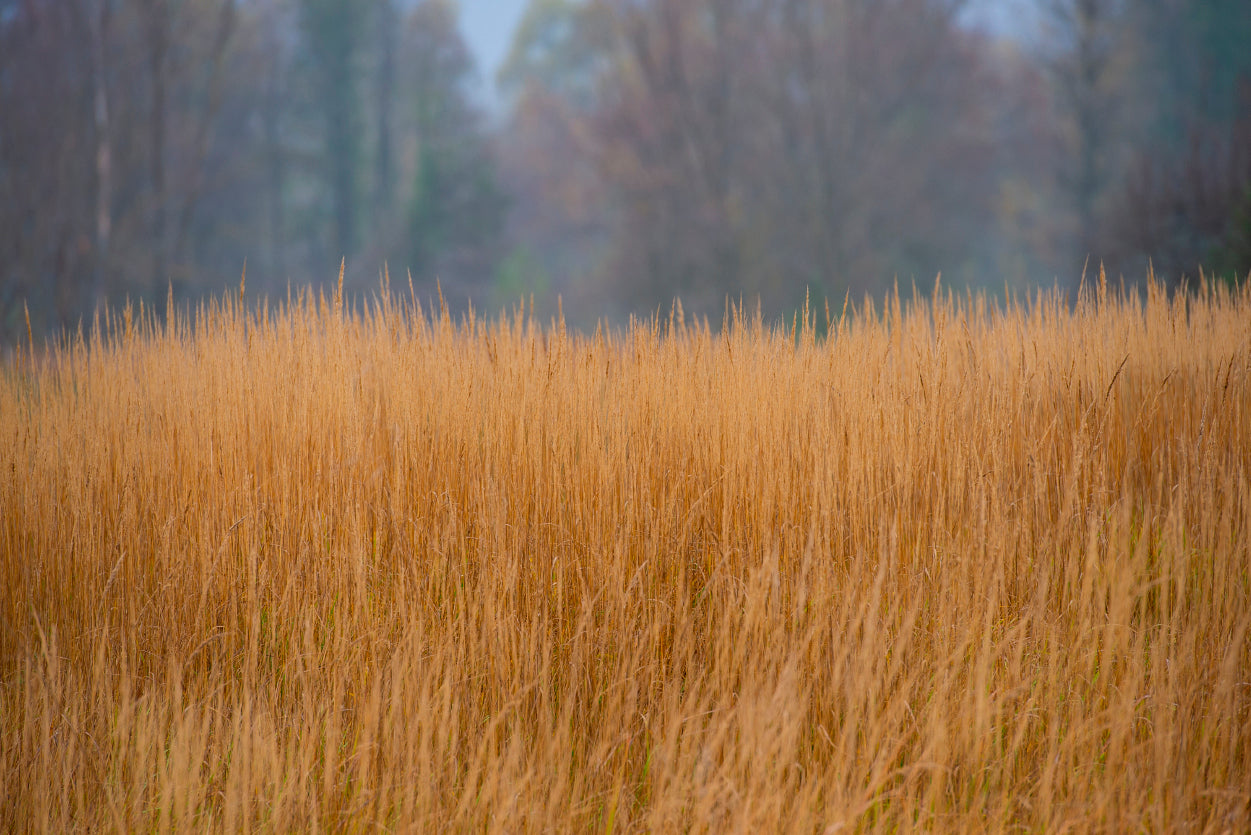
953 565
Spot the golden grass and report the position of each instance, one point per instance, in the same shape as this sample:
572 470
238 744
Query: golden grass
957 566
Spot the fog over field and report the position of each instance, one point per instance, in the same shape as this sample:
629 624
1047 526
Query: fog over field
814 416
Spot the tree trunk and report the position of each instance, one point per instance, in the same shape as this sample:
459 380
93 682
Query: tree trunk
271 119
99 19
384 186
157 14
200 144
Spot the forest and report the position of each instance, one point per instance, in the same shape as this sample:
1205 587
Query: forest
637 151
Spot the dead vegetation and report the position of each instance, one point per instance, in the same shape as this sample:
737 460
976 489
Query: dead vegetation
952 566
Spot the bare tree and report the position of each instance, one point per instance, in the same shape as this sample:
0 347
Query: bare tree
156 15
774 147
384 88
273 98
1086 64
47 153
204 123
98 14
332 35
676 137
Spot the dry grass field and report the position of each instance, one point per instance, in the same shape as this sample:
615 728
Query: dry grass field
952 566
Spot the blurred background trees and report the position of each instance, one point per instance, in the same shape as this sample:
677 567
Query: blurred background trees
778 147
637 150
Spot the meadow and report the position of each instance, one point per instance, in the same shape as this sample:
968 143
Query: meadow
931 564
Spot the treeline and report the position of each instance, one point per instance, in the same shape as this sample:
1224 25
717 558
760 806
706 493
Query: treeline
146 144
645 149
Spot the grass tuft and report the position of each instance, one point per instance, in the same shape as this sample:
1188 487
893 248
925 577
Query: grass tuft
961 566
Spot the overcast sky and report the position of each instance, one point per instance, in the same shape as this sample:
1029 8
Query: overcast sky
488 26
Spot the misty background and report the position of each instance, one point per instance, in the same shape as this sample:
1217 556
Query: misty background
615 153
